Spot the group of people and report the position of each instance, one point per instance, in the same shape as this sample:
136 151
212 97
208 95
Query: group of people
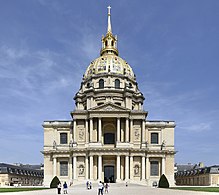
101 187
65 188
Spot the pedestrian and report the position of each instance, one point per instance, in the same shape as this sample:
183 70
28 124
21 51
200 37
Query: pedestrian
90 184
106 188
65 187
59 187
126 184
100 188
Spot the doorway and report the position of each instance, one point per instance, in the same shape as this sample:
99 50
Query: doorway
109 174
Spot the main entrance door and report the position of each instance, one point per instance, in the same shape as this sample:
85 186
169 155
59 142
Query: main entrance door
109 174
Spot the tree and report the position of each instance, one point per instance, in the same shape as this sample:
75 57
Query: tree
55 181
163 182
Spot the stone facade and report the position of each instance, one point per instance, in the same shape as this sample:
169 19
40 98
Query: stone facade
11 175
109 138
201 176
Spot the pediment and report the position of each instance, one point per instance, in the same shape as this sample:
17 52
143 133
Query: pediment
109 107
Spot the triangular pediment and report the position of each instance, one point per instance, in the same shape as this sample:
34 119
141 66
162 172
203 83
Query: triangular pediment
109 106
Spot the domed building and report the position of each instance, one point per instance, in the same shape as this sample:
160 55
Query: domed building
109 138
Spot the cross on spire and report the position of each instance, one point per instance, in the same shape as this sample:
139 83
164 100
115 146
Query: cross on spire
109 28
109 9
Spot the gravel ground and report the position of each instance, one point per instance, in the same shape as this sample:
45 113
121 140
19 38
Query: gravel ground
117 189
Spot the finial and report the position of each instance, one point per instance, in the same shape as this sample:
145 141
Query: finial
109 28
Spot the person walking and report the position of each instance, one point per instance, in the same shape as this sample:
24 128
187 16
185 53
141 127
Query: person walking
106 188
100 188
90 184
65 187
59 187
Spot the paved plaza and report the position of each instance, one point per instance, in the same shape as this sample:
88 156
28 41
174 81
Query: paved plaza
117 189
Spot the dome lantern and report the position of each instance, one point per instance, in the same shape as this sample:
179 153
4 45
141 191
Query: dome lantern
109 42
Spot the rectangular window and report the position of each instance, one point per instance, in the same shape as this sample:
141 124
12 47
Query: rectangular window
154 168
154 138
63 138
63 168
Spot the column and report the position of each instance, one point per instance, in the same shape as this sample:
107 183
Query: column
91 167
70 167
143 131
86 131
75 167
74 131
91 129
126 168
163 165
131 167
118 129
118 168
143 168
131 131
54 166
100 130
86 167
99 167
147 168
127 130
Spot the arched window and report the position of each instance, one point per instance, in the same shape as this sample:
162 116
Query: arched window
101 84
112 43
117 83
106 43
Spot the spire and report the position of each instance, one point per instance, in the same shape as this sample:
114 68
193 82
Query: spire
109 42
109 28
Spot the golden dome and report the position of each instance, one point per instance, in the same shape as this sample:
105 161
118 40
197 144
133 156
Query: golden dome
109 64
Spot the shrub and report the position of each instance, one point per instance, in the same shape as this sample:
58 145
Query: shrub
55 181
163 182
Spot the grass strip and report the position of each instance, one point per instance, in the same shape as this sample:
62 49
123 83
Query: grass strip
201 189
18 189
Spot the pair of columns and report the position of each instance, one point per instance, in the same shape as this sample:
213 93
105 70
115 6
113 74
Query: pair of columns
99 167
91 129
127 134
86 130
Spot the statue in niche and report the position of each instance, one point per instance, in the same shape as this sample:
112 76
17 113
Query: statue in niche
137 134
136 170
81 134
81 170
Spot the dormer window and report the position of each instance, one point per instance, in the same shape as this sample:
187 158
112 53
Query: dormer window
112 43
101 84
106 43
130 85
117 84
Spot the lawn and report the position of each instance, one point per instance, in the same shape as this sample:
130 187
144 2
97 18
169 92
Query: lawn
203 189
18 189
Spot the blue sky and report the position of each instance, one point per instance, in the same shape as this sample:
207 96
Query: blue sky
172 46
